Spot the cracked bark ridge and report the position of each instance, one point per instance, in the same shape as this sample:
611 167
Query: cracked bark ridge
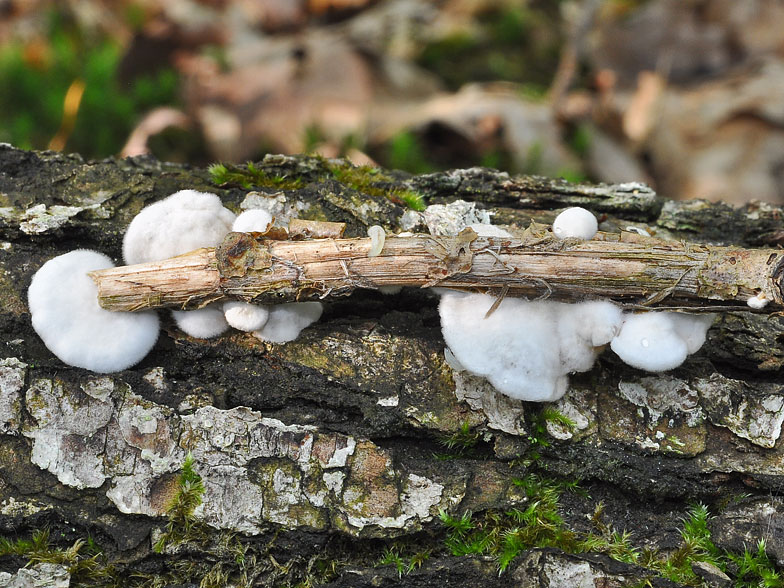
330 444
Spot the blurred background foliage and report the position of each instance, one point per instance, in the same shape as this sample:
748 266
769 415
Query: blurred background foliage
684 95
36 77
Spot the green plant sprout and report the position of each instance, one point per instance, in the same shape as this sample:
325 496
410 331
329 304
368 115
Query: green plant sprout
182 523
539 438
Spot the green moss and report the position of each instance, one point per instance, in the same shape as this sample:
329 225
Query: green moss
539 438
460 442
505 534
374 182
182 525
84 560
250 177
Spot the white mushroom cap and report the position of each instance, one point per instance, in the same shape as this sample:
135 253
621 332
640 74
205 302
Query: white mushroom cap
517 348
63 302
184 221
244 316
575 222
252 220
692 328
649 341
758 302
286 321
203 323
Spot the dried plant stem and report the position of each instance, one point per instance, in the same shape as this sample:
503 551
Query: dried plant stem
625 267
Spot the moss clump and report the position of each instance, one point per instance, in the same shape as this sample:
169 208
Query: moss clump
250 177
460 443
373 182
84 560
403 564
504 535
182 525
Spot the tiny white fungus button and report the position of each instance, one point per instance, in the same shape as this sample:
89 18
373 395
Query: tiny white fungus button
63 302
202 323
758 302
576 223
244 316
286 321
377 237
253 220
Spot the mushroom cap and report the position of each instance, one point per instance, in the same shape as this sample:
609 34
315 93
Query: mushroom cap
202 323
244 316
583 327
184 221
516 348
575 222
692 328
252 220
63 302
286 321
650 341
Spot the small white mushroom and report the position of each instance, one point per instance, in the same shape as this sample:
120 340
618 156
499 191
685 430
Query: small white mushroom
252 220
575 222
63 302
648 341
203 323
758 302
377 236
286 321
244 316
184 221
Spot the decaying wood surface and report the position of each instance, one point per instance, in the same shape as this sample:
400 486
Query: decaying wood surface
624 266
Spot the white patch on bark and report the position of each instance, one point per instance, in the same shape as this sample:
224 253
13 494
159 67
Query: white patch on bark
503 413
12 377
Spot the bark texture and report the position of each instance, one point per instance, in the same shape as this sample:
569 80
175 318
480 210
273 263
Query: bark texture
321 457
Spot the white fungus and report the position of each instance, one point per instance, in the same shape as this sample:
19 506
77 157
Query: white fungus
63 302
184 221
286 321
254 220
244 316
180 223
660 341
692 328
526 349
377 237
203 323
575 222
758 302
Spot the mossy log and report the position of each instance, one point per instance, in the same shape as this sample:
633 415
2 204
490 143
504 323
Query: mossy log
317 460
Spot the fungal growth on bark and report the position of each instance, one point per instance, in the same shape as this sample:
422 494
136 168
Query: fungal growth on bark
525 348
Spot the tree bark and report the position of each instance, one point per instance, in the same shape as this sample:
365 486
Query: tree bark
323 457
